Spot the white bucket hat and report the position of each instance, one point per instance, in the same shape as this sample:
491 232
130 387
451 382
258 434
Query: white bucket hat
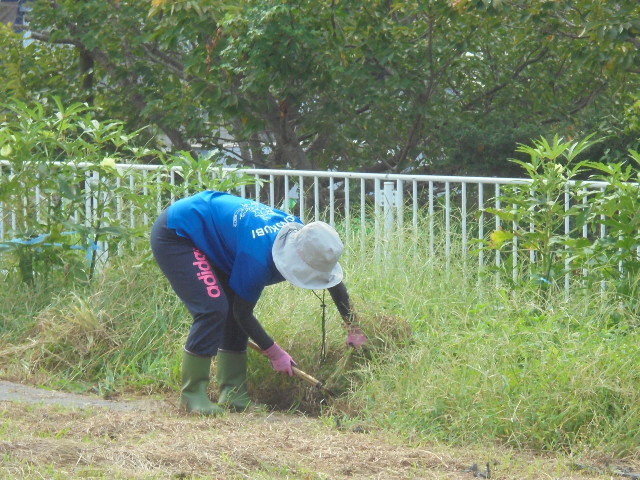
307 255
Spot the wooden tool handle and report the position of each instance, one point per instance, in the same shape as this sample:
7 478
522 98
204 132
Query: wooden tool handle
297 372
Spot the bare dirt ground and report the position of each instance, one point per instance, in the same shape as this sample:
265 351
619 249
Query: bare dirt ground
45 434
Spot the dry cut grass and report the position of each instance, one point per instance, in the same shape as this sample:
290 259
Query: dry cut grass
50 441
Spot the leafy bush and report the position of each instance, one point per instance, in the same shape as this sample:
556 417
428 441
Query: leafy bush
565 225
615 255
64 180
58 188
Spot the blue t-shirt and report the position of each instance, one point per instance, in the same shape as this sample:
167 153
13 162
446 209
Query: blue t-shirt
237 235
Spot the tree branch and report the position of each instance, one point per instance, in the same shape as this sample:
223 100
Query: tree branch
635 41
158 56
45 37
138 100
516 73
582 103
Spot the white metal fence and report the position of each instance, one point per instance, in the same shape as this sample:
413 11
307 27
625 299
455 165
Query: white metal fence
447 213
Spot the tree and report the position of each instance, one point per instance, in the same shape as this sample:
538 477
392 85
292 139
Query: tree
378 85
33 70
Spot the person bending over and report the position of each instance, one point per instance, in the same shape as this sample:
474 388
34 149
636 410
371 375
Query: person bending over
219 251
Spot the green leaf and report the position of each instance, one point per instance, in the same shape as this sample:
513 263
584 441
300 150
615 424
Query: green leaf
500 237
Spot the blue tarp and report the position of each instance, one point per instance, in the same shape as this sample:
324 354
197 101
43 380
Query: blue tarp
41 240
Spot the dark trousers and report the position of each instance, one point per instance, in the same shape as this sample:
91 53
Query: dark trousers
202 288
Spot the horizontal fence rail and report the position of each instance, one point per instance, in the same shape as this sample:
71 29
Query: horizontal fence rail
447 213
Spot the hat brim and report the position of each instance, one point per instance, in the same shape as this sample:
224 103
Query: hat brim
294 269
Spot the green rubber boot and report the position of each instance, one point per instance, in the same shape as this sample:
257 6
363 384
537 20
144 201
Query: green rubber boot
232 381
195 385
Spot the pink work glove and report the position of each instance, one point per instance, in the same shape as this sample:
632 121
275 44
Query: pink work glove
355 337
280 360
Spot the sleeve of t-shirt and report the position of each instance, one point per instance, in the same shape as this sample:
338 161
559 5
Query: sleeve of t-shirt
340 297
249 276
243 313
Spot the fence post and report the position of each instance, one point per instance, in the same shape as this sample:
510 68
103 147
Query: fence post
388 208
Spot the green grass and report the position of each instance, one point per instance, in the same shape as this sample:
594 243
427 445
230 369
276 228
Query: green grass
452 358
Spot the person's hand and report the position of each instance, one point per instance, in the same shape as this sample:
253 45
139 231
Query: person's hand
355 336
281 361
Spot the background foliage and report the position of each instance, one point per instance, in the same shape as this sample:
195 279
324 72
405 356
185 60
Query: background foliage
431 86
